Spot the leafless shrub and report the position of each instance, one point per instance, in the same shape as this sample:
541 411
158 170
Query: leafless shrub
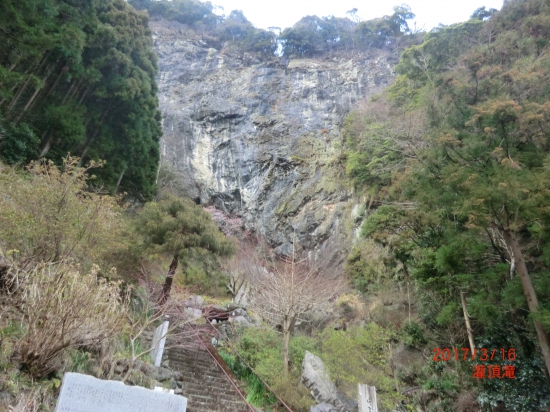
170 180
282 291
27 401
147 315
239 270
63 308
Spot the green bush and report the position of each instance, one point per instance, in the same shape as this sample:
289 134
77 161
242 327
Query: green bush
261 349
360 355
17 143
413 335
256 392
48 214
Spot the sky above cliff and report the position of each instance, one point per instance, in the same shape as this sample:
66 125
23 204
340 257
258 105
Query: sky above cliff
284 13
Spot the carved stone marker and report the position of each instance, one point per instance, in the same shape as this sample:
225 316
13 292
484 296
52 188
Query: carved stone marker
159 340
316 378
367 398
84 393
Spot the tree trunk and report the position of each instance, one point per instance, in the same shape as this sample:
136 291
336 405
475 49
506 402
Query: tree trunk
84 94
39 66
530 295
120 178
91 139
40 94
31 100
64 69
47 139
19 94
286 343
167 287
467 321
37 91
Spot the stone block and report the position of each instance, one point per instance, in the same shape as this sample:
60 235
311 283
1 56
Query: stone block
84 393
322 407
241 321
193 313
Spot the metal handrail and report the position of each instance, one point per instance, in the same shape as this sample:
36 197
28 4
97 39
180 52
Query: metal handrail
250 367
223 370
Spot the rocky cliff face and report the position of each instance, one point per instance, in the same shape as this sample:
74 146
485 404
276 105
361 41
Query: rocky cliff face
260 139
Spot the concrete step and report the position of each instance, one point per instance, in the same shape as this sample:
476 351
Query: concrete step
204 384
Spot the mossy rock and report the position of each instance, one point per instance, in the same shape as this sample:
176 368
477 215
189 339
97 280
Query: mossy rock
138 378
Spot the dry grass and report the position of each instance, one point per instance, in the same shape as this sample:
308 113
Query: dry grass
63 308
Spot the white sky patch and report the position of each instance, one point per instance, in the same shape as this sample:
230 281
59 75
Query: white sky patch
285 13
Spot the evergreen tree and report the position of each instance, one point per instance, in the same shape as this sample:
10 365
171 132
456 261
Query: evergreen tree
467 209
79 76
179 228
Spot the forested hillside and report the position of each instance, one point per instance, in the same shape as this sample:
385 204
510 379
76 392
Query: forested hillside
311 36
439 185
79 77
455 159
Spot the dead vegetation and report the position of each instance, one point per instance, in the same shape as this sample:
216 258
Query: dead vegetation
62 308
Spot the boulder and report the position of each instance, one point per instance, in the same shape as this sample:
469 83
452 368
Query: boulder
317 379
239 312
160 374
240 321
323 407
193 313
235 306
242 296
194 301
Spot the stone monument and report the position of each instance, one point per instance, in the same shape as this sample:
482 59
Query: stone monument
84 393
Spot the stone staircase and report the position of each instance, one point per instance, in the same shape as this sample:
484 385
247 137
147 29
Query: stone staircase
205 385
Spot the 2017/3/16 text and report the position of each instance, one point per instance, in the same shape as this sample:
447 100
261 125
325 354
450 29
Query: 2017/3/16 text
482 354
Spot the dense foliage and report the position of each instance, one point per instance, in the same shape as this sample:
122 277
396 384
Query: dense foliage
311 36
182 231
462 193
219 31
79 77
48 215
354 356
63 249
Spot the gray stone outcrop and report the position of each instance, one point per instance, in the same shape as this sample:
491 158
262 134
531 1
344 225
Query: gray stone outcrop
323 407
259 140
316 378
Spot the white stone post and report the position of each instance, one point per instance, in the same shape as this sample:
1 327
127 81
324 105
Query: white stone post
367 398
159 340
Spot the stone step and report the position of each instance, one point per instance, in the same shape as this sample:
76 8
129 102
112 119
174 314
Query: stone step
227 393
204 384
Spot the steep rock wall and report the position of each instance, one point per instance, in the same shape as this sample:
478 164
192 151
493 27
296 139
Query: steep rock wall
260 139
